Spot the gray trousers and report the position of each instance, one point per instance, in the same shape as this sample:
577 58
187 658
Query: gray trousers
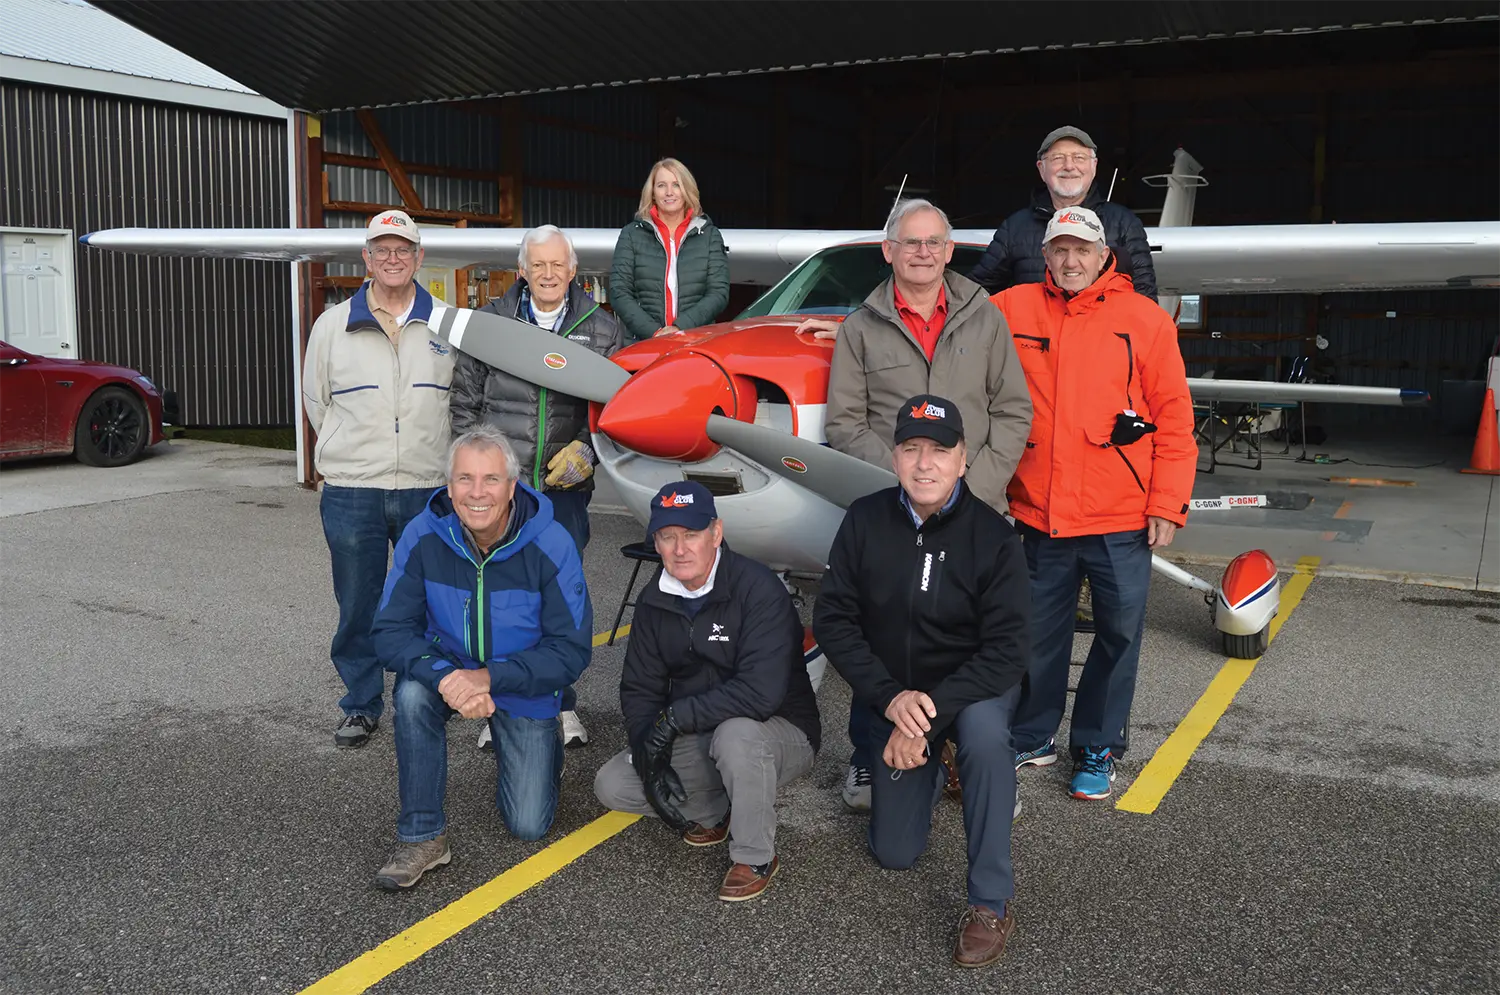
736 769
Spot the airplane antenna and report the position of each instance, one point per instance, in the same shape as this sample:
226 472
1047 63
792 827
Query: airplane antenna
1112 184
897 202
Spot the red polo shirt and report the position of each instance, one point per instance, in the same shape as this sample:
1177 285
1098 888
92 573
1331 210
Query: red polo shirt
924 330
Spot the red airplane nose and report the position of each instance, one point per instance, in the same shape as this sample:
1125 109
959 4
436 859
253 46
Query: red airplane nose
662 410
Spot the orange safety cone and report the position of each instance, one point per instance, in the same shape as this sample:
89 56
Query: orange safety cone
1486 457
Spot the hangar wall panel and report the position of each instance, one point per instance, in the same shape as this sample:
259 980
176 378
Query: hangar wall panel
216 331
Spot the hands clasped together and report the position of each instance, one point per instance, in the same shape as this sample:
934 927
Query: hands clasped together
652 759
467 692
907 747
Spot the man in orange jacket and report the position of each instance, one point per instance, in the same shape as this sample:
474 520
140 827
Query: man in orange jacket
1105 479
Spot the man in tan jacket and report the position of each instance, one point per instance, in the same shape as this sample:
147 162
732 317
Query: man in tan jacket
924 331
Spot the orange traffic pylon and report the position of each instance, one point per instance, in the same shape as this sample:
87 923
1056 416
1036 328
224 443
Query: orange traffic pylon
1486 457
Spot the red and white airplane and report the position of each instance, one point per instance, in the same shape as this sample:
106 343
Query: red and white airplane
739 406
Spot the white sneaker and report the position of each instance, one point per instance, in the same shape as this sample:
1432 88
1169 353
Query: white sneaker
484 738
1017 813
856 793
574 734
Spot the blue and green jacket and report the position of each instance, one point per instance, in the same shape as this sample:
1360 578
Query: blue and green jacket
523 612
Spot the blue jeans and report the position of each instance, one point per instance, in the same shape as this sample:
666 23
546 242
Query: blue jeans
362 524
1118 566
571 511
901 808
528 753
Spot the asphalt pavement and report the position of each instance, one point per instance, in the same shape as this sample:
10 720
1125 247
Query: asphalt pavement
179 820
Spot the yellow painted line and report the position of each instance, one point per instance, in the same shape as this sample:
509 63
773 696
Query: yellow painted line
405 947
1161 772
603 637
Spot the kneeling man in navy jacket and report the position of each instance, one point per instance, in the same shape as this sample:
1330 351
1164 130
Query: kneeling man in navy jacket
717 701
485 615
924 611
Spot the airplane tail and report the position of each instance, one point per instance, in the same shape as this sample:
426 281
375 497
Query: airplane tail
1182 185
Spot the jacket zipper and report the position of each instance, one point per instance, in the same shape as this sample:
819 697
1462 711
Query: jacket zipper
911 608
1131 467
541 412
1129 377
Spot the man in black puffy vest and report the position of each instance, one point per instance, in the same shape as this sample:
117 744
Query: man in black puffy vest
1067 161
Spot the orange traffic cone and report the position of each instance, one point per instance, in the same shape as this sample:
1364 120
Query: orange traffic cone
1486 458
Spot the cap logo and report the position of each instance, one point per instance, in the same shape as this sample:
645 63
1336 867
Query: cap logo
1072 218
555 360
928 411
794 464
675 500
391 219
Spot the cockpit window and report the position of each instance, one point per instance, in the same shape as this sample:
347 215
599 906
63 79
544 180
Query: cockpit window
837 280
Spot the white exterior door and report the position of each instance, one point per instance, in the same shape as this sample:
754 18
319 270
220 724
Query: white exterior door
38 303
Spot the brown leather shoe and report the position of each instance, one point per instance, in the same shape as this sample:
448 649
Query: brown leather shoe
700 835
982 936
744 882
952 789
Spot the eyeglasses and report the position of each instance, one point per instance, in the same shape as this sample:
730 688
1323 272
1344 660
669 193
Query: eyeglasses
1076 158
383 253
540 268
914 245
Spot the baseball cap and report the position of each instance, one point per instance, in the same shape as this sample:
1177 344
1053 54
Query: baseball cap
393 223
686 503
1066 131
928 416
1080 222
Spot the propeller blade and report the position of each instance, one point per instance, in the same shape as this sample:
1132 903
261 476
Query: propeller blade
530 353
834 476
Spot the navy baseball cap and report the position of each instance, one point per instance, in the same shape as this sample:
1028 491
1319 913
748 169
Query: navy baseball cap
928 416
686 503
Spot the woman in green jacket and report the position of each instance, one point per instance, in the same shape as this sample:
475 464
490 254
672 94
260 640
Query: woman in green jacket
670 268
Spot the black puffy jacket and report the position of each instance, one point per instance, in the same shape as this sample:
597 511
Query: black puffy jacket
739 657
944 608
538 422
1015 253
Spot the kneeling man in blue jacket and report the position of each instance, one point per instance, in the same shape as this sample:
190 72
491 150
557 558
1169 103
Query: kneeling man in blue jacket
485 615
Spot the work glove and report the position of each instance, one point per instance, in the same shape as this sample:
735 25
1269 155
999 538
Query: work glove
652 759
573 464
1129 427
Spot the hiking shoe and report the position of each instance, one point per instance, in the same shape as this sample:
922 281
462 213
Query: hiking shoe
354 731
982 936
486 738
747 881
574 734
856 793
1093 775
1043 756
411 861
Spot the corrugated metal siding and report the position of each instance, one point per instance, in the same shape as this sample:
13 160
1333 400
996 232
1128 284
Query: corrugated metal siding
216 331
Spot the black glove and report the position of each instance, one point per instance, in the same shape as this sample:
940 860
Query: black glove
1129 427
652 759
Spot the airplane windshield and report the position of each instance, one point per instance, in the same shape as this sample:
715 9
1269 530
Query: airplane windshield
837 280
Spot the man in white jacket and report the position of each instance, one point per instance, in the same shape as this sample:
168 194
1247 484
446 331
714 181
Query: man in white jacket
375 384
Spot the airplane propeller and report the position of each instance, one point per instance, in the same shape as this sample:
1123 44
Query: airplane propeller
836 477
533 354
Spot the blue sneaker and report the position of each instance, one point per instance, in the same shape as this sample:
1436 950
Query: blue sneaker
1093 775
1043 756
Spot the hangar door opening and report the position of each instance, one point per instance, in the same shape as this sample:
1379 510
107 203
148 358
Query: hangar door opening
38 310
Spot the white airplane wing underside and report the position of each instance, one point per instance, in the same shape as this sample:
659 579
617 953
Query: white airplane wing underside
1229 260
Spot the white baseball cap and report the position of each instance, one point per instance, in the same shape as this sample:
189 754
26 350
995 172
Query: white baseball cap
1079 222
393 223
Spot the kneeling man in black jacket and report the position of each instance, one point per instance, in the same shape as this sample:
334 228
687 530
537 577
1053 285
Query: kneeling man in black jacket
717 702
924 610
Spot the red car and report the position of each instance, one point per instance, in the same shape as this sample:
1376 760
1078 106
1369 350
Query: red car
105 415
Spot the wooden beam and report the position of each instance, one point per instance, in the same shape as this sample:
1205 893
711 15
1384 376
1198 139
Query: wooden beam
388 158
512 156
308 199
426 169
432 214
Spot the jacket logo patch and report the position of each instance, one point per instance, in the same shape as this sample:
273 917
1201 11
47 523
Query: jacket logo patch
438 347
580 337
931 411
675 500
555 360
718 636
926 570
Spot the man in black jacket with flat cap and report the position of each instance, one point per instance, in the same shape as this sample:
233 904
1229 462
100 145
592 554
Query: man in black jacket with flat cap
924 611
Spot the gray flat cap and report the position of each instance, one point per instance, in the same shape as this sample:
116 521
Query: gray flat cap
1067 131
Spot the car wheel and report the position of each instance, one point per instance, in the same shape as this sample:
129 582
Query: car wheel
112 428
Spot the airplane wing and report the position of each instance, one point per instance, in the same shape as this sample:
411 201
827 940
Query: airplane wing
1270 392
1248 259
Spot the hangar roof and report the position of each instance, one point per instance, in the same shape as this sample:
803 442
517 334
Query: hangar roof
70 44
339 54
